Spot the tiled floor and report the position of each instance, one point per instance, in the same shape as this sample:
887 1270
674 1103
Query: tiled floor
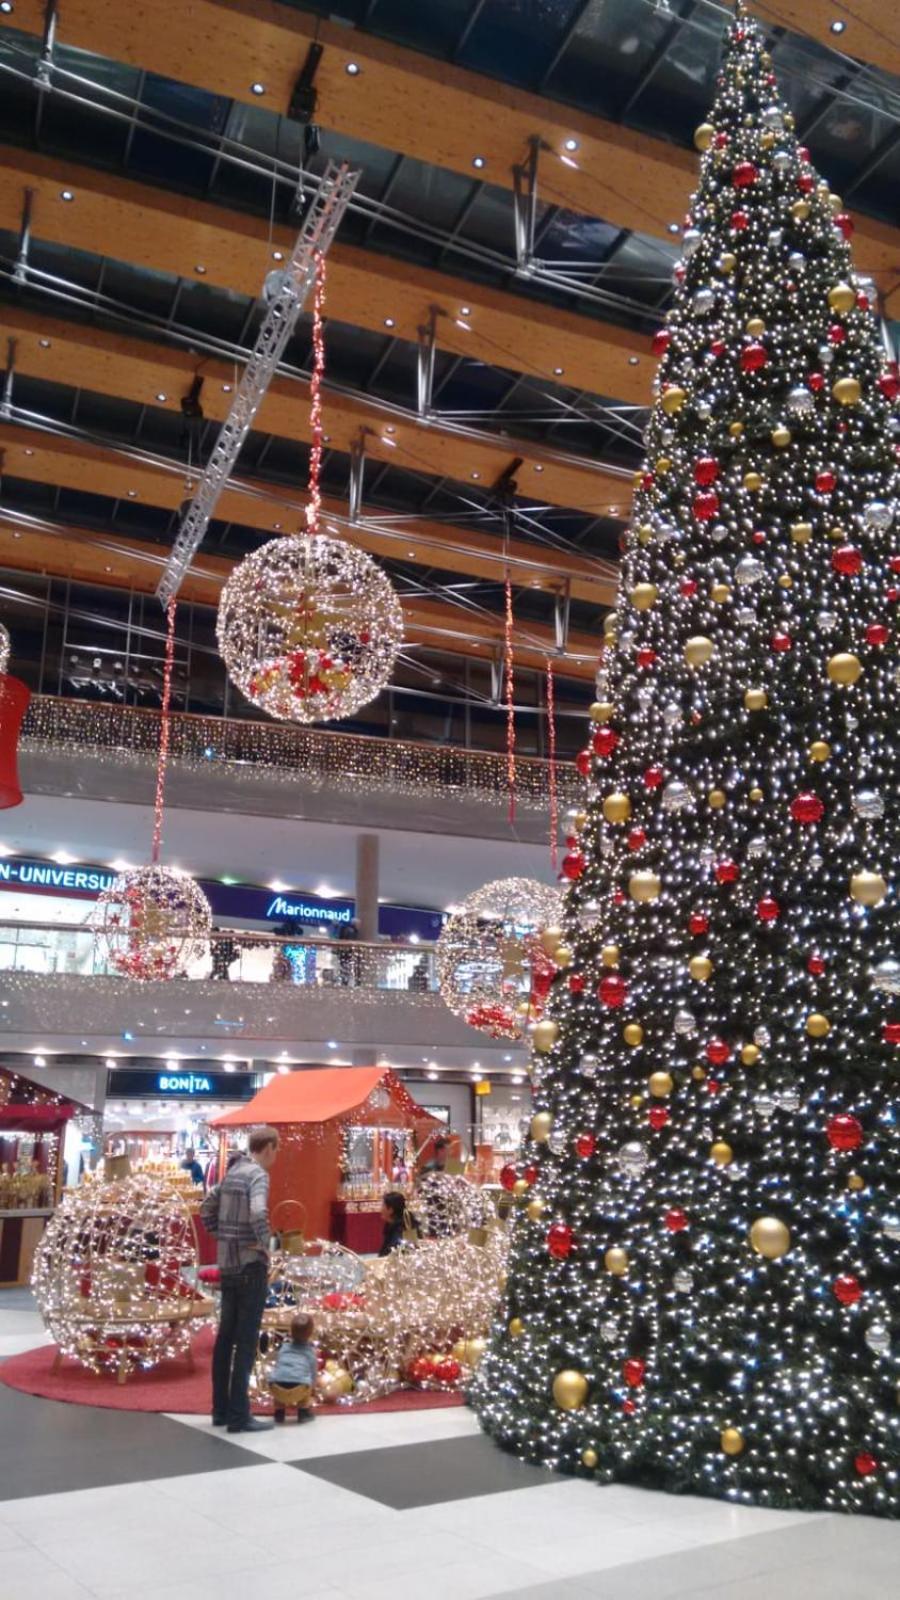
99 1505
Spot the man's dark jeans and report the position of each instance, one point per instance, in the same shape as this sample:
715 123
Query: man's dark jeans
240 1316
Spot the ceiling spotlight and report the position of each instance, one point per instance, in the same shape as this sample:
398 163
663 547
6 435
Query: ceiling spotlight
389 428
476 475
633 360
389 322
44 344
277 255
200 268
836 27
538 467
111 1063
66 194
62 858
29 452
674 227
465 311
570 144
352 69
332 1044
478 162
162 398
132 494
6 7
226 388
40 1061
558 372
257 88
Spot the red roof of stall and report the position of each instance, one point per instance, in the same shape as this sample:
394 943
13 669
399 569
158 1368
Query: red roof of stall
319 1096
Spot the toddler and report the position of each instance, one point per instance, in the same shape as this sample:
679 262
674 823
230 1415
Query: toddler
295 1368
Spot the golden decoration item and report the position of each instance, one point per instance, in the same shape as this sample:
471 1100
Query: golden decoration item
660 1084
704 135
644 886
633 1034
570 1389
617 807
544 1035
819 750
750 1055
845 668
868 888
672 400
643 596
721 1153
601 710
842 298
589 1459
847 391
817 1025
698 650
616 1261
609 955
541 1125
732 1441
700 968
770 1237
756 699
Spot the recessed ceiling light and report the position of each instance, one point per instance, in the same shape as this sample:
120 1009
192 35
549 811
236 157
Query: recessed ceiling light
558 372
465 311
538 467
226 388
257 88
836 27
229 1066
277 255
44 344
389 428
132 494
39 1061
478 162
62 858
29 452
66 194
633 360
570 144
200 268
411 553
352 69
6 7
111 1063
389 322
674 227
162 398
332 1044
278 887
277 526
476 474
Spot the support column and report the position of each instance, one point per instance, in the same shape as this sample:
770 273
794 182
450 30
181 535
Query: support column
367 846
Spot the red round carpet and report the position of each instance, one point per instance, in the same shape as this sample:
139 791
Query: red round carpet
168 1387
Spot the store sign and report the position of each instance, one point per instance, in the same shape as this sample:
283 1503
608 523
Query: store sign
128 1083
309 910
42 875
184 1083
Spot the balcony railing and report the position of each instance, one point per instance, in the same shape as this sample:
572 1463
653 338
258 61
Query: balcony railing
340 761
49 950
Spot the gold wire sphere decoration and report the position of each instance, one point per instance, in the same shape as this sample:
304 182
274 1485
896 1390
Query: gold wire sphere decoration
113 1276
151 923
309 628
489 953
5 648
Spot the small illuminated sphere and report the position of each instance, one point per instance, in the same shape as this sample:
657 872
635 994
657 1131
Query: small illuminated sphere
151 923
541 1125
616 1261
309 628
570 1389
770 1238
732 1441
868 888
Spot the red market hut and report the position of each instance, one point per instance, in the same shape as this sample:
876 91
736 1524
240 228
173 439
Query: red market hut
347 1135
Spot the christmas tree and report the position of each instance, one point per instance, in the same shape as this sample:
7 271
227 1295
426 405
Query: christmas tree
704 1291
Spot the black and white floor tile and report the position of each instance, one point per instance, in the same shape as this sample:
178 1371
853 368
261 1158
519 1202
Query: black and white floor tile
101 1505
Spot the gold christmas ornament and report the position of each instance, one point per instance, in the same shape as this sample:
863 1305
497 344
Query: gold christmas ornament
151 923
535 1209
644 886
817 1025
785 581
660 1084
855 1182
801 532
610 625
844 668
780 436
721 593
636 1101
617 807
842 298
541 1125
309 628
735 429
551 939
704 135
750 1055
756 327
516 1328
835 204
520 1188
717 798
643 596
868 888
698 650
847 391
563 956
601 710
819 750
672 400
570 1389
800 210
580 820
589 1459
486 951
633 1034
756 699
727 262
756 794
645 535
698 1073
752 481
663 464
732 1441
544 1035
609 955
468 1352
616 1261
770 1237
700 968
767 140
722 1153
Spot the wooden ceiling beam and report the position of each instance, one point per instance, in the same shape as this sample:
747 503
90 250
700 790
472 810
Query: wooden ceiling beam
109 561
92 469
164 232
403 100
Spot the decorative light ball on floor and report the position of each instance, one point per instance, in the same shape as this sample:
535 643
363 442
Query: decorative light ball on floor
309 628
113 1275
489 952
151 923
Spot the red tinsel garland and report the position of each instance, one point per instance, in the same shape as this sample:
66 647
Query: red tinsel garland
164 732
551 776
510 703
314 506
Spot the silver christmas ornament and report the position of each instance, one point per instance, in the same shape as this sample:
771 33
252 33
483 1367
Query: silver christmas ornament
609 1333
890 1227
627 642
868 804
745 616
878 1338
676 796
762 1037
878 516
788 1099
816 863
704 300
685 1023
886 976
773 118
826 354
645 696
719 530
748 570
796 261
707 857
690 241
800 402
756 847
781 161
683 1281
672 715
764 1106
826 621
633 1158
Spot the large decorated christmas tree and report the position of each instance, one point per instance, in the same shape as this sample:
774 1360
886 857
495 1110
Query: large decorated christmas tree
705 1283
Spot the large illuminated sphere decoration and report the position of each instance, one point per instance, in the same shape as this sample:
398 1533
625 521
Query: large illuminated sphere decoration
112 1275
151 923
447 1204
309 628
489 953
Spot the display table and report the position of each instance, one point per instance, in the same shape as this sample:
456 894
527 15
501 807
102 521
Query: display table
360 1231
20 1232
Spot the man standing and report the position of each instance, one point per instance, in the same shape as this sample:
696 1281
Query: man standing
237 1212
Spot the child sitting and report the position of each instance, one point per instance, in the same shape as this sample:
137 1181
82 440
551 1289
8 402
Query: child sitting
294 1374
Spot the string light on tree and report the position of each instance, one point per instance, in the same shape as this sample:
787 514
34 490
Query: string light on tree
741 859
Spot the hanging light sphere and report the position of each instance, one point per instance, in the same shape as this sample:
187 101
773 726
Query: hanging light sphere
309 628
489 950
151 923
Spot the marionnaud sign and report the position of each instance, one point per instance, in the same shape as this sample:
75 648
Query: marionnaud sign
309 910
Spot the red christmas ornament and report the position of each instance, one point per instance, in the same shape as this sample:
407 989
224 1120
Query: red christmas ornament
847 560
816 381
637 839
646 658
739 221
815 966
847 1289
892 595
717 1052
718 348
826 481
653 777
576 982
507 1176
877 633
865 1464
448 1370
802 152
759 537
647 480
706 470
768 909
836 334
676 1221
889 382
782 642
727 872
890 1032
721 140
583 763
706 505
560 1240
845 222
633 1371
862 300
894 563
698 924
754 357
585 1145
612 990
807 808
629 1407
689 588
605 741
530 1174
744 174
657 1117
712 1086
661 341
806 182
844 1132
572 865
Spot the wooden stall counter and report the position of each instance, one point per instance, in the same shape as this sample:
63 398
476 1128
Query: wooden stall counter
360 1231
20 1235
